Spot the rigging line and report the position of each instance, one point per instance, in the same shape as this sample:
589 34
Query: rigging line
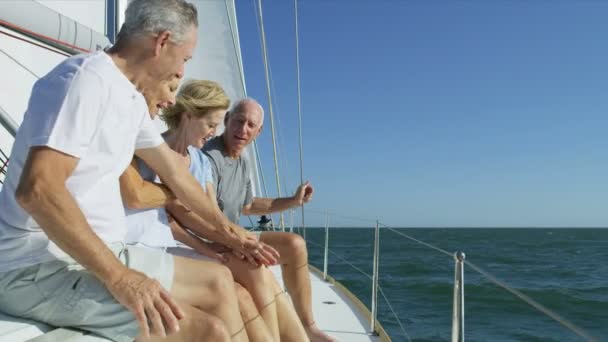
370 278
575 329
260 168
257 22
343 260
259 31
239 60
270 109
394 314
299 104
19 63
280 137
279 131
35 44
352 218
451 255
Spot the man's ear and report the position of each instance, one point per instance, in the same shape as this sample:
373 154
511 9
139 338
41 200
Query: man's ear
160 41
259 131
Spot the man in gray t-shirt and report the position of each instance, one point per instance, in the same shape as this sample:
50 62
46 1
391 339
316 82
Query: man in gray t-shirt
232 184
234 197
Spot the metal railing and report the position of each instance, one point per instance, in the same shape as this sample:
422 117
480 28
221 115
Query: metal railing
458 291
458 313
375 278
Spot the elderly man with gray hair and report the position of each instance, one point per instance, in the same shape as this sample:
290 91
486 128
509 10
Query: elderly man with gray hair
62 224
234 196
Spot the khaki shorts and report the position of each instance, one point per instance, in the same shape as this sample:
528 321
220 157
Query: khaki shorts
63 294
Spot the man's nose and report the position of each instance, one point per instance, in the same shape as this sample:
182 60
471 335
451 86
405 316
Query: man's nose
180 72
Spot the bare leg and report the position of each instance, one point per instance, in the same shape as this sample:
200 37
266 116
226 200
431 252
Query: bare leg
294 264
196 326
254 324
289 325
254 280
209 287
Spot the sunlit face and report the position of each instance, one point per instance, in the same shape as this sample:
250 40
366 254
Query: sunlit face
242 127
200 130
172 57
162 96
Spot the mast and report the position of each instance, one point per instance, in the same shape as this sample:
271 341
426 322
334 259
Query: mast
295 3
270 109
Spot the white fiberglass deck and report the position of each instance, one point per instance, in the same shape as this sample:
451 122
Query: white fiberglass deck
334 313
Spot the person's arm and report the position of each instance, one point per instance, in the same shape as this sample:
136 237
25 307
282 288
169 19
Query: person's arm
262 205
138 193
177 177
203 228
43 194
201 247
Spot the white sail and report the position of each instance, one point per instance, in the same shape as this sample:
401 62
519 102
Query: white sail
218 58
90 13
34 38
22 63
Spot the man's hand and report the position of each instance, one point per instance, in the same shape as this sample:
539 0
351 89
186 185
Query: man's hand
257 253
304 193
155 310
212 250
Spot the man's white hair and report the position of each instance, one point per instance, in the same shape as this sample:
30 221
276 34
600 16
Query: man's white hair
154 16
241 105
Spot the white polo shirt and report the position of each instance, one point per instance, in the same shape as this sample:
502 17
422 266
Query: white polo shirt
88 109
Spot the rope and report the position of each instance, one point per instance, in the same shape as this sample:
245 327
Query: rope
259 161
394 314
353 218
270 109
575 329
239 60
343 260
295 5
369 276
451 255
19 63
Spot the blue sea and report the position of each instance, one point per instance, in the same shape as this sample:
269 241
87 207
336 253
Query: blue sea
564 269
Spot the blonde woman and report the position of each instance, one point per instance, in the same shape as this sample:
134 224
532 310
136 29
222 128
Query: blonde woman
199 108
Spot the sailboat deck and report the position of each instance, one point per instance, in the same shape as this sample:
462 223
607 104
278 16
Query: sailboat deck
336 313
336 310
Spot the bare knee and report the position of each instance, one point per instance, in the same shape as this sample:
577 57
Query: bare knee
222 283
246 304
297 245
213 330
199 326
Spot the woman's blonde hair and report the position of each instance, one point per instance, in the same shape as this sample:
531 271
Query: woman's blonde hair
197 97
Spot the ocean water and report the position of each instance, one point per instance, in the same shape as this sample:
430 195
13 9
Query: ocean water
565 270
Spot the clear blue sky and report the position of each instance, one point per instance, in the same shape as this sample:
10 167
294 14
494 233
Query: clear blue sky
440 113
